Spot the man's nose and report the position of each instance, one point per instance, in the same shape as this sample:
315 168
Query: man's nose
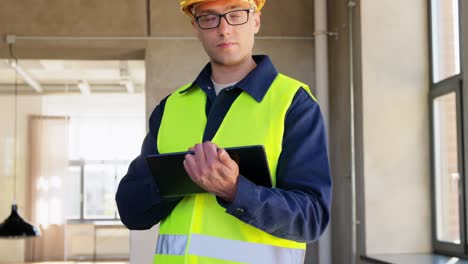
224 26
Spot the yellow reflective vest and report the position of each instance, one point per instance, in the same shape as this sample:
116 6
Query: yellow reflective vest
199 230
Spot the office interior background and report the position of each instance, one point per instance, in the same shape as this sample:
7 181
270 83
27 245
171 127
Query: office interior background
79 78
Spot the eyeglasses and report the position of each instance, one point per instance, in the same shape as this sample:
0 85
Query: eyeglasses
233 18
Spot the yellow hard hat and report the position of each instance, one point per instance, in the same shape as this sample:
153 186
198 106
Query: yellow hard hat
186 5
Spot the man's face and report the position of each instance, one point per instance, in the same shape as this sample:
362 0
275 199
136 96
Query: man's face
227 45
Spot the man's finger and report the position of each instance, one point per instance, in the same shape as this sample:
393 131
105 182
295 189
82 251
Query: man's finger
224 157
210 152
189 165
186 167
200 155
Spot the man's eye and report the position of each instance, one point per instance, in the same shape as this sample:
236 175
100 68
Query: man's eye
208 18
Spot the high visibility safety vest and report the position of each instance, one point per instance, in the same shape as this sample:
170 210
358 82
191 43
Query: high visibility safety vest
199 230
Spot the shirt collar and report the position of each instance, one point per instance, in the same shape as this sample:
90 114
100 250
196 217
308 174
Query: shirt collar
256 83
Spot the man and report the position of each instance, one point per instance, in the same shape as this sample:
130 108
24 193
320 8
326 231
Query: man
237 100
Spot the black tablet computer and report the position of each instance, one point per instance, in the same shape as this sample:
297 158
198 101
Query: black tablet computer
173 181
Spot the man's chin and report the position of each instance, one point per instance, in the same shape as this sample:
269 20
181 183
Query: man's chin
227 61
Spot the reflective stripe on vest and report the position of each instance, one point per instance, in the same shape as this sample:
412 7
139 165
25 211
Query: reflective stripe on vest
231 250
200 218
171 244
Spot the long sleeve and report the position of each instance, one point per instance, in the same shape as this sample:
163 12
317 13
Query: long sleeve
299 207
139 204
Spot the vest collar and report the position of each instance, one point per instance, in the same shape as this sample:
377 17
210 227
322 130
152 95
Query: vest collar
256 83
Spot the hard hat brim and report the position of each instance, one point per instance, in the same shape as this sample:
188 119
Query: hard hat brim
186 6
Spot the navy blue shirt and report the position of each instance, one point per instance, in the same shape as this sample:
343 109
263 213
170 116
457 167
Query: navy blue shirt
297 209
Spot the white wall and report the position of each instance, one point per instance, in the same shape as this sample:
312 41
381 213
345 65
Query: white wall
13 250
143 245
86 241
118 105
395 76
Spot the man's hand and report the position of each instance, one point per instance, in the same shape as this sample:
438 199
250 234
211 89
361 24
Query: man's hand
213 170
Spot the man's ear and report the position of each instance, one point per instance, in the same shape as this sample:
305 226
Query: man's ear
257 23
196 30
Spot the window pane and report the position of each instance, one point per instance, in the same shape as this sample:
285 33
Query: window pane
447 176
133 130
73 191
121 171
445 39
99 191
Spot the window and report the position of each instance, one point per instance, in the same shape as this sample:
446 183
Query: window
99 158
447 126
446 168
445 39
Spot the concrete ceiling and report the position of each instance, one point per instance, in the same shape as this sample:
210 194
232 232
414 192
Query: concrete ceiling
119 20
62 76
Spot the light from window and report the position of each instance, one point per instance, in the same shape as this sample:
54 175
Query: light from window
99 191
445 39
447 175
101 149
106 138
73 192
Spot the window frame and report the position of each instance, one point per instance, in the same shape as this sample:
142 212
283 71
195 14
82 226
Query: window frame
437 89
441 246
82 164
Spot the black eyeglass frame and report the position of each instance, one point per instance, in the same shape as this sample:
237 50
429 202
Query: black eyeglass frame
220 16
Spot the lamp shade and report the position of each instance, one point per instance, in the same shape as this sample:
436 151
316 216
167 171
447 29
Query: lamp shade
15 227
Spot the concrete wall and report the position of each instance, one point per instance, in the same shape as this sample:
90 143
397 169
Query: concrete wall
395 70
340 130
140 18
183 60
391 84
74 18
